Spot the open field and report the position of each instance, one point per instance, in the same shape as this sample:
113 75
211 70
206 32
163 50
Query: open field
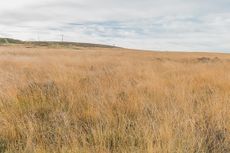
113 100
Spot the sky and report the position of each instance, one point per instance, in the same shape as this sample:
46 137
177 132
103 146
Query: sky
166 25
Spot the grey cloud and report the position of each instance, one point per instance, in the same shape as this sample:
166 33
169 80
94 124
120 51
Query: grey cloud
147 24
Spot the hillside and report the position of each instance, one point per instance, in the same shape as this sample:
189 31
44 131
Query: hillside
9 41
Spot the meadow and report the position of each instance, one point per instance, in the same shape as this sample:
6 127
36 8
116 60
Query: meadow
113 100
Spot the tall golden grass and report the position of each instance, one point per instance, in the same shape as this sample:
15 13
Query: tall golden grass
94 100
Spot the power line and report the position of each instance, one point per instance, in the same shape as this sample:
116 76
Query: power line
62 37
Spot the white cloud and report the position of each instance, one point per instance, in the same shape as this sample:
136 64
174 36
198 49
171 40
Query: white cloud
147 24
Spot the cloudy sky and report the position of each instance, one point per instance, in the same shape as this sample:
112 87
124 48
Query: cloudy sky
185 25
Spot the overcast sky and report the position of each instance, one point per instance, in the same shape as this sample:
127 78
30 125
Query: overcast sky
189 25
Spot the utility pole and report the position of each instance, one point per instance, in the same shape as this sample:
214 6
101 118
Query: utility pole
62 38
38 37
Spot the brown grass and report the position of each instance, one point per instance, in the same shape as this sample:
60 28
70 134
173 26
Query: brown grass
94 100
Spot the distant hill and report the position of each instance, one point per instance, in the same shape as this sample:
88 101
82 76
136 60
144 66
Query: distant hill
63 44
5 41
10 41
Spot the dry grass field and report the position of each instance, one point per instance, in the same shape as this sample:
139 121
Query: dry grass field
112 100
